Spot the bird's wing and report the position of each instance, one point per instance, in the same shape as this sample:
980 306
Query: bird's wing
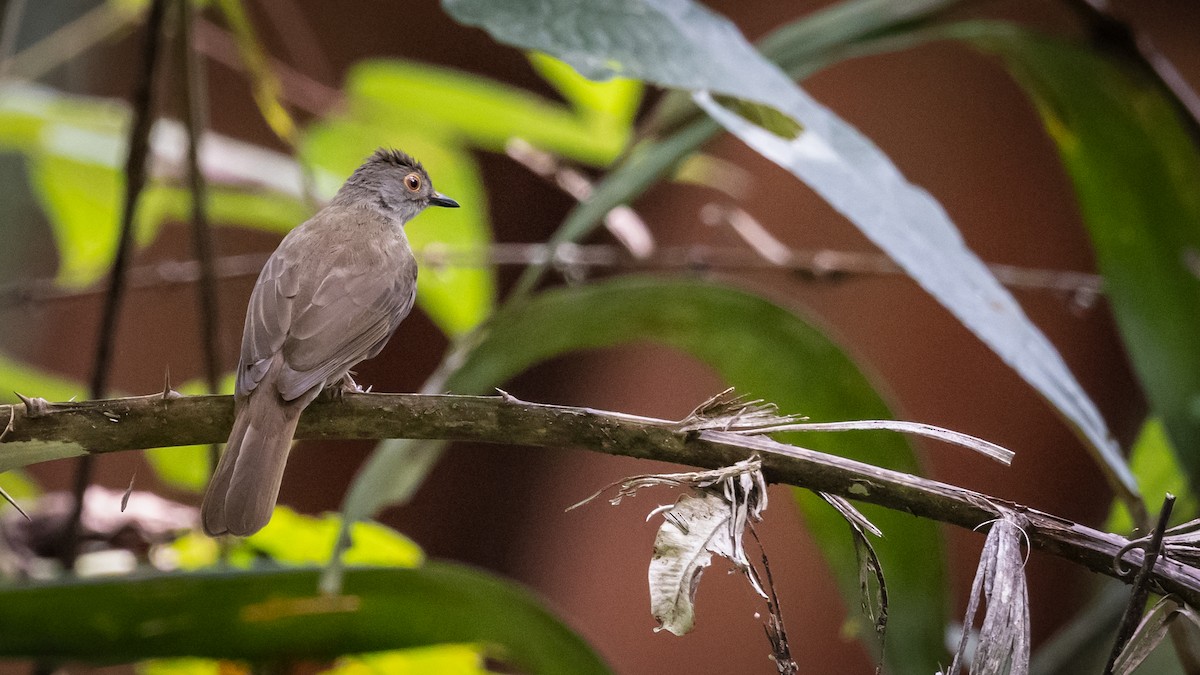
324 312
349 317
268 318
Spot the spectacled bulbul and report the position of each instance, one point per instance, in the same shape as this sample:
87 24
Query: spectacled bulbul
330 296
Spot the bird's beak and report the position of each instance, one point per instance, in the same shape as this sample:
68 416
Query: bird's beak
439 199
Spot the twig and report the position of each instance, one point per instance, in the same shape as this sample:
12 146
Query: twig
816 265
135 180
264 83
103 21
298 37
193 94
1141 584
14 12
622 221
152 421
781 649
298 89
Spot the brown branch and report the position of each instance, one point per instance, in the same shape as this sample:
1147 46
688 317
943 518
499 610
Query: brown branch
61 429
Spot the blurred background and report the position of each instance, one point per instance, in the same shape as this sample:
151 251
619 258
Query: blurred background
952 120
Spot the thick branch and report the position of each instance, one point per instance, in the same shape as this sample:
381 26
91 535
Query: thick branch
154 421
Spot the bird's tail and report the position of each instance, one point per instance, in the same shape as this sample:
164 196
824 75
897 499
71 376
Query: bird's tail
243 490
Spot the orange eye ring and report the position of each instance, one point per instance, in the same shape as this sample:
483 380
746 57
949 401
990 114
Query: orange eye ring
413 182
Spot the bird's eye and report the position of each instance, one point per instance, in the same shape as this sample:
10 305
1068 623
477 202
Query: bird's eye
413 182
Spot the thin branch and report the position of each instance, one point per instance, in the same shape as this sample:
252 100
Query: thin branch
193 95
94 427
298 37
1152 550
816 265
135 180
622 221
100 23
298 89
14 12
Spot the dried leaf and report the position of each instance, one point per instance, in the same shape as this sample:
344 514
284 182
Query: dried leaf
986 448
1003 645
694 529
857 520
1181 543
728 411
1150 633
629 487
711 520
873 588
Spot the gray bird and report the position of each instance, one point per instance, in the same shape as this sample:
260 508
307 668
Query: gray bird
329 297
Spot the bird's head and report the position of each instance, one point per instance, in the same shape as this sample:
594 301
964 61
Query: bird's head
395 183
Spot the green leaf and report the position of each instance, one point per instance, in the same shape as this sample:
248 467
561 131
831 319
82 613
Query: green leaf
35 118
610 103
17 377
258 209
801 48
298 539
18 485
1135 169
265 615
457 298
683 45
81 202
181 666
765 352
291 538
185 466
763 116
403 94
442 659
1155 464
804 46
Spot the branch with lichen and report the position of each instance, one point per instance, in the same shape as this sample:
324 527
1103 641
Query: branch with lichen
41 431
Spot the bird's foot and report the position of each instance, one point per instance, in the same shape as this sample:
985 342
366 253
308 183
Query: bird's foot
347 385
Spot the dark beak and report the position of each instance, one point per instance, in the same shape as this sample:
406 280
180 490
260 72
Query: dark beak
439 199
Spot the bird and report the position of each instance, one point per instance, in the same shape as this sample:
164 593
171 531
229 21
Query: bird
329 297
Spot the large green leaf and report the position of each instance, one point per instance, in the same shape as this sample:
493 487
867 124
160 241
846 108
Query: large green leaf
1136 171
268 615
683 45
756 346
594 129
